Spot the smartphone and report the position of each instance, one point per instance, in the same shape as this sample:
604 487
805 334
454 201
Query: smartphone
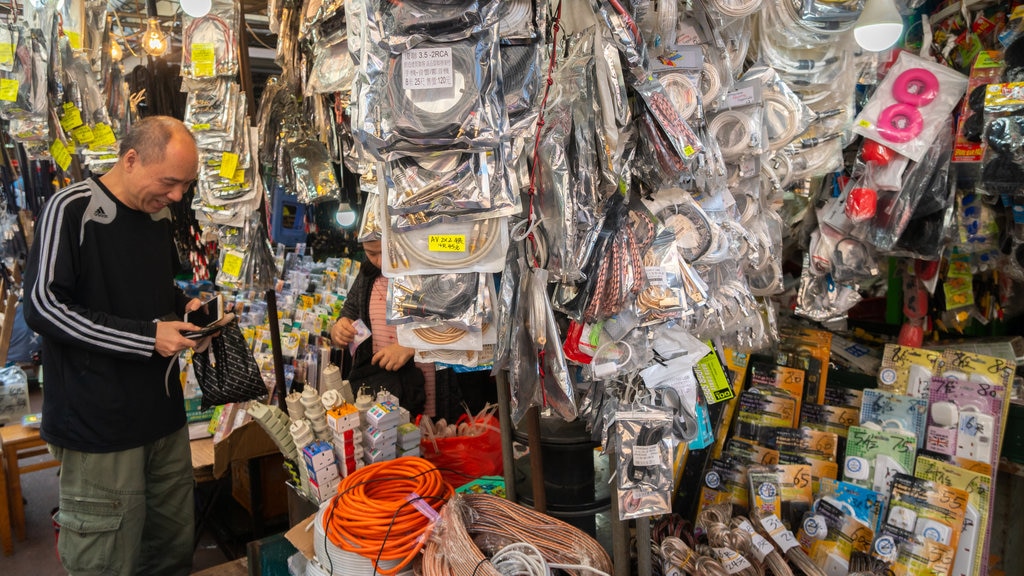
207 317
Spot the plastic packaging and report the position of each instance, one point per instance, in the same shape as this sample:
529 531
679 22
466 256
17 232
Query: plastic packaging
644 449
906 111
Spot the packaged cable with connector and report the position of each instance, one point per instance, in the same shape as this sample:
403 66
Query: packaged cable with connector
644 449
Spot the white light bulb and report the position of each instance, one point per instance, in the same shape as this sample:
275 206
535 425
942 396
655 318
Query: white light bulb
346 216
154 41
879 26
196 8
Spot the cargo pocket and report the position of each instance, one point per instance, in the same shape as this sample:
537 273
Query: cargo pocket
88 534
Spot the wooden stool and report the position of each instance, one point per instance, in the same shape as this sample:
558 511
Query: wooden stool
18 443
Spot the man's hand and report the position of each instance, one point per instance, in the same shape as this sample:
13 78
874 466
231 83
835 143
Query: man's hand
343 332
169 340
393 357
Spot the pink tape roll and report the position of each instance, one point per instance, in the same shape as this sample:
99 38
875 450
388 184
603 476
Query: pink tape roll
916 86
900 123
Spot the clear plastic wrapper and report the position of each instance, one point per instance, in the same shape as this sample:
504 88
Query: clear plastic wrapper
820 298
738 123
369 225
1003 134
444 336
401 25
210 47
522 78
434 96
684 141
473 246
785 115
455 298
625 31
662 297
908 107
450 183
614 114
315 179
333 69
644 450
25 84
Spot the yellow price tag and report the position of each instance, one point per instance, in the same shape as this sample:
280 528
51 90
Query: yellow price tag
60 154
71 118
6 53
203 59
446 242
228 163
863 123
74 39
232 264
688 151
103 136
200 127
239 176
83 134
8 89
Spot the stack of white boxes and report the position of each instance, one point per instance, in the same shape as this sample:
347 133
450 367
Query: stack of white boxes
382 420
409 439
322 468
348 446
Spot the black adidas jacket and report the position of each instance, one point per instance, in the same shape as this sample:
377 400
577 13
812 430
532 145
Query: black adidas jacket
98 276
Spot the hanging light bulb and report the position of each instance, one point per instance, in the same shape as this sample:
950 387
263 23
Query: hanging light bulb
115 51
154 41
879 26
196 8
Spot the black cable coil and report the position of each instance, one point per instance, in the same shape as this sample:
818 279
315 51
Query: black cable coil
412 122
519 77
434 18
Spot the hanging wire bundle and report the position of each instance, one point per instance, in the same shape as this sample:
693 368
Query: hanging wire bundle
515 535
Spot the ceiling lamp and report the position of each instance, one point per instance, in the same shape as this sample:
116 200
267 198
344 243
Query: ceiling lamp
879 26
154 41
346 217
196 8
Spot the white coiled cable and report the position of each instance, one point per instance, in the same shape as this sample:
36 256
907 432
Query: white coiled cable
681 92
736 8
777 106
710 83
723 127
516 17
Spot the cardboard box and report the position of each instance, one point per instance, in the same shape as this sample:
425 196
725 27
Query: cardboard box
243 443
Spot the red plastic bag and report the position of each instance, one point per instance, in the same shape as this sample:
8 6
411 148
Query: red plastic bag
461 459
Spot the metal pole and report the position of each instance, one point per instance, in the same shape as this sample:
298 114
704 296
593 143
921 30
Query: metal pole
620 528
508 462
643 546
540 500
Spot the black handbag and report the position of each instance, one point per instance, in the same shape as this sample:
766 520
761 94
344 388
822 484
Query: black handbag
406 384
226 371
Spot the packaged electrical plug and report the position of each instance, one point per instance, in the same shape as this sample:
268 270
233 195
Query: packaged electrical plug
725 482
924 515
972 547
645 449
968 406
830 536
787 379
865 504
761 411
886 410
873 457
907 370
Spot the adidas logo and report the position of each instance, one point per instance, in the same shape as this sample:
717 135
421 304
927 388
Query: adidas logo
100 213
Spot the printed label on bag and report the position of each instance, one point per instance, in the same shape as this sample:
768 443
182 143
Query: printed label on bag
83 134
8 89
646 455
228 163
424 68
446 243
232 264
6 54
74 39
71 117
655 275
203 59
60 154
104 136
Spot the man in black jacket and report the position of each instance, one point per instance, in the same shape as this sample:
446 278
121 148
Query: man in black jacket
99 277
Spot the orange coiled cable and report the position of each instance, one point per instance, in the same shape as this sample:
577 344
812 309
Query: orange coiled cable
372 515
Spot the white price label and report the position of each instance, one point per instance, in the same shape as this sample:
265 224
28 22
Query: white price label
646 455
655 274
731 560
778 531
762 547
741 97
425 68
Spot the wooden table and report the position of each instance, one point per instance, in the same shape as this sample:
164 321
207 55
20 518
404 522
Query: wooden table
19 443
202 459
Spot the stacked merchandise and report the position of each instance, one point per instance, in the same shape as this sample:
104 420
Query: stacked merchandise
903 473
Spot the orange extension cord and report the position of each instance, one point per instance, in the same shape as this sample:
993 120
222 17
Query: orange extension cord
372 515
